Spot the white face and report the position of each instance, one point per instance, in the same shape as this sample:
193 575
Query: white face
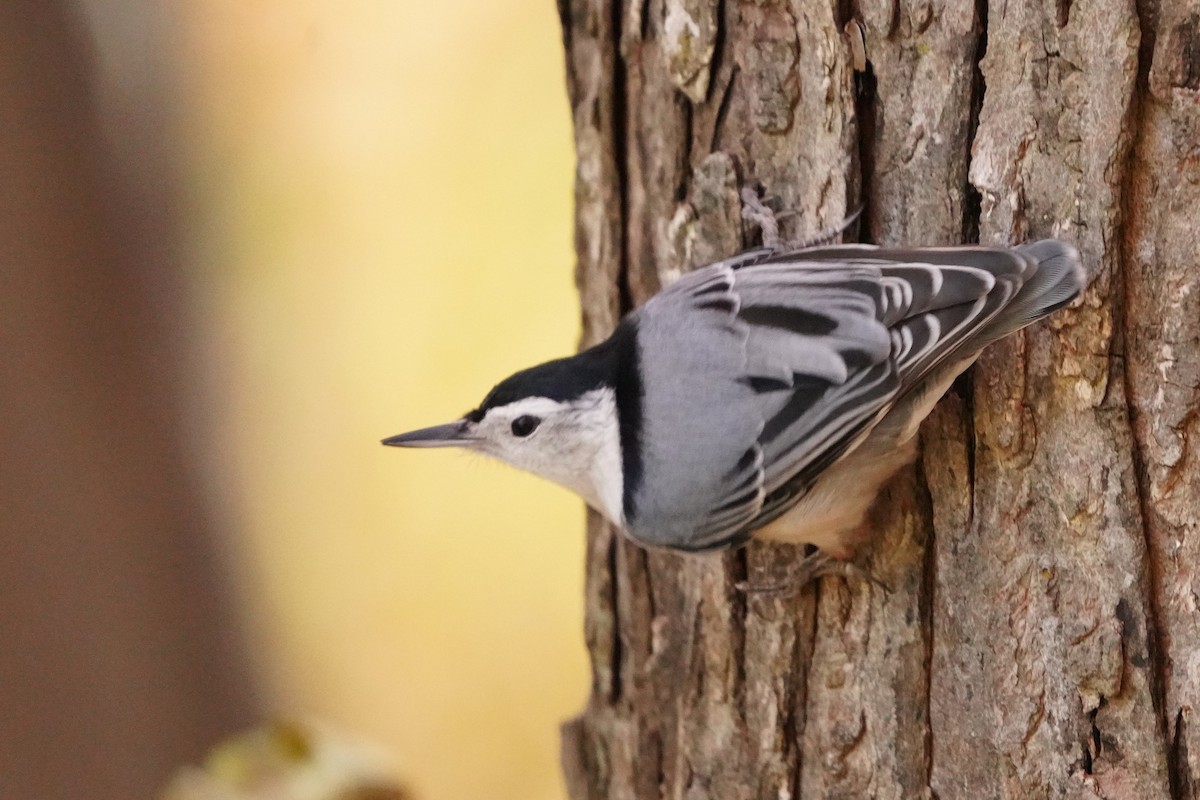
576 444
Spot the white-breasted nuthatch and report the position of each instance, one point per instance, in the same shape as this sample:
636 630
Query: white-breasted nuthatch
770 394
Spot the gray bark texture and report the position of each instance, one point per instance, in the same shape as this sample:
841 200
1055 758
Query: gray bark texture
1039 636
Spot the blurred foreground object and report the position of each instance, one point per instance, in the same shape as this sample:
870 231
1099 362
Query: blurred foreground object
118 656
289 761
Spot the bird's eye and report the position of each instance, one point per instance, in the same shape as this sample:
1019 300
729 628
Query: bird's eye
525 425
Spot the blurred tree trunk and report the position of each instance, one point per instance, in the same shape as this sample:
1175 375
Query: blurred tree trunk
1042 633
118 657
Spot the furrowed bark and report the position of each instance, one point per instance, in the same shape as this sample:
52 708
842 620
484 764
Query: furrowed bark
1161 253
1036 635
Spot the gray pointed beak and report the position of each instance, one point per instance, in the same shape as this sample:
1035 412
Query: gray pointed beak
452 434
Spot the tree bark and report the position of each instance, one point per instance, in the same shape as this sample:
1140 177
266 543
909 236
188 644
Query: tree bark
1040 634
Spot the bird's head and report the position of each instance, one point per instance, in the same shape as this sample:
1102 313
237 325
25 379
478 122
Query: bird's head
557 420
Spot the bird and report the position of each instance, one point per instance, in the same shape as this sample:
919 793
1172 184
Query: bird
769 395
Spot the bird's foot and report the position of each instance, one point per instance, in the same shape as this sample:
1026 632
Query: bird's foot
758 213
756 210
815 565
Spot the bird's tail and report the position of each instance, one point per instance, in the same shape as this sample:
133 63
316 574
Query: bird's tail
1058 280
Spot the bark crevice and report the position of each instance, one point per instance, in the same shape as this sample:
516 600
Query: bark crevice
1159 633
973 200
620 143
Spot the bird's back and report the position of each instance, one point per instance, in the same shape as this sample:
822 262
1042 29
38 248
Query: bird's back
760 374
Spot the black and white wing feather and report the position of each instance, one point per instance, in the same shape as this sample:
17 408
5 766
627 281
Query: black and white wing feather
760 372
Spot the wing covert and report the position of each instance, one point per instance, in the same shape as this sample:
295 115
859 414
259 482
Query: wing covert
794 363
796 356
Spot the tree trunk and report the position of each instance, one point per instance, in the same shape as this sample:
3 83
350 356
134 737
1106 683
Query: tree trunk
1039 635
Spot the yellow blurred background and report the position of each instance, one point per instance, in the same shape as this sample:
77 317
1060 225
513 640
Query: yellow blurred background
241 241
382 201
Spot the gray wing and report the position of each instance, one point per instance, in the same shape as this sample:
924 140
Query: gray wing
761 371
750 374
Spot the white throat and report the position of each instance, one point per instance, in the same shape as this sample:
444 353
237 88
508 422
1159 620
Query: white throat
605 489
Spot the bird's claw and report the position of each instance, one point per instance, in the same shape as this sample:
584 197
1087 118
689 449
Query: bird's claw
757 212
813 566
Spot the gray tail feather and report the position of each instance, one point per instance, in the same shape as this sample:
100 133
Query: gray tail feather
1059 280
